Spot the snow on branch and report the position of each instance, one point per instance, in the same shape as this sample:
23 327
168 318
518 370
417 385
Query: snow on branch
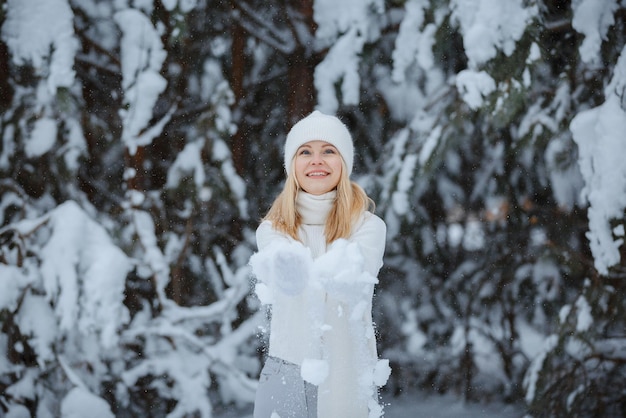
79 403
42 33
490 25
593 19
344 27
142 56
598 132
341 64
413 44
84 275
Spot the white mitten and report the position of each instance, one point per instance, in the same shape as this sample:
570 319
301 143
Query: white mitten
283 267
292 269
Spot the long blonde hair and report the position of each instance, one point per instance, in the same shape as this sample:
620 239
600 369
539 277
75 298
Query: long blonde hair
350 203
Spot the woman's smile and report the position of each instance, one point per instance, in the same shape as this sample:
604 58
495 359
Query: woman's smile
317 174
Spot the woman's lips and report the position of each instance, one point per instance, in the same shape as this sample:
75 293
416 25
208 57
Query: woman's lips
317 174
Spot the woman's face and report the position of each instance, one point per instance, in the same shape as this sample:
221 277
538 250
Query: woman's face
318 167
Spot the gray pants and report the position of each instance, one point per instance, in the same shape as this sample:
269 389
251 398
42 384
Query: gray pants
282 391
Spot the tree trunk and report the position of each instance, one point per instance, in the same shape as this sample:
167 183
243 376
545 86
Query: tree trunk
301 68
6 91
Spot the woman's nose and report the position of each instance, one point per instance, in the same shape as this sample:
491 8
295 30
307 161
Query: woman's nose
317 158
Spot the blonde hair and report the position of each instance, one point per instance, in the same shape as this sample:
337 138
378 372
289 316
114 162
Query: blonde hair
350 203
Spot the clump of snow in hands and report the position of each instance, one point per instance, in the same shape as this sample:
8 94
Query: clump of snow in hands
382 371
287 268
341 271
314 371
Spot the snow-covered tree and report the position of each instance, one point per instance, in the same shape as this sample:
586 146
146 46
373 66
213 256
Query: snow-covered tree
124 238
482 192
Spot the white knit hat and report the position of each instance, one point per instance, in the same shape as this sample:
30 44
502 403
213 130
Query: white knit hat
321 127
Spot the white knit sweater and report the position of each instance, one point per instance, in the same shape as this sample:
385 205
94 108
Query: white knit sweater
330 318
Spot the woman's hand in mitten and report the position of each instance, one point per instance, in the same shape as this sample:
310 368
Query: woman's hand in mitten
283 267
292 269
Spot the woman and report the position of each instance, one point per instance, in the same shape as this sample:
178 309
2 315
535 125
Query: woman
320 250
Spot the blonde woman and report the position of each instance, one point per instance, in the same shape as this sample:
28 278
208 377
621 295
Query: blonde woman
320 250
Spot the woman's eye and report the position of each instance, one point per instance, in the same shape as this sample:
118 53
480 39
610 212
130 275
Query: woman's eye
304 152
329 151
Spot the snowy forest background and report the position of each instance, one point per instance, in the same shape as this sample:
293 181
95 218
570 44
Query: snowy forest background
141 141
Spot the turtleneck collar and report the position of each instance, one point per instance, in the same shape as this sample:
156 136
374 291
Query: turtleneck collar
315 209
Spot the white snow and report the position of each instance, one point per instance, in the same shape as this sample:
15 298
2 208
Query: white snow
474 237
455 234
536 366
382 371
430 144
341 64
24 388
75 146
142 56
153 259
12 281
84 274
593 18
566 180
598 132
221 153
335 18
584 319
345 27
36 320
80 403
185 6
314 371
413 45
415 404
18 411
399 199
341 271
475 87
42 33
547 278
490 25
42 138
8 147
187 161
182 366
